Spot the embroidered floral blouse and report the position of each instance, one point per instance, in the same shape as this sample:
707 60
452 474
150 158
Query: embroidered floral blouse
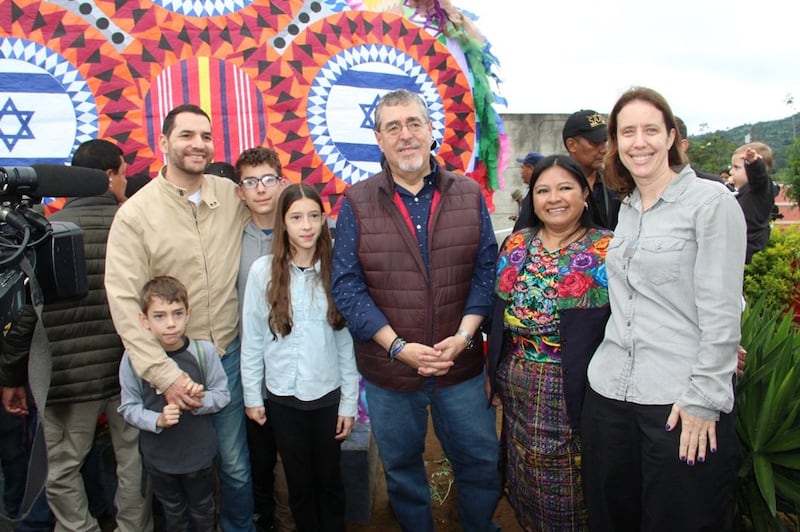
537 283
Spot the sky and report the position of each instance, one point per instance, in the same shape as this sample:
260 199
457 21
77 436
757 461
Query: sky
719 63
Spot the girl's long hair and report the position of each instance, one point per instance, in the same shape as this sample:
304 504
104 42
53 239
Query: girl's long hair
278 290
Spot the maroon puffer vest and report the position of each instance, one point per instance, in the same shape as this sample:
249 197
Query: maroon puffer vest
420 307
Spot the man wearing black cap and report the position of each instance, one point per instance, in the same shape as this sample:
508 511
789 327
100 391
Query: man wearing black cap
584 137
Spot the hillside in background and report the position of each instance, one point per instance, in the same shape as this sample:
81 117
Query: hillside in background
778 134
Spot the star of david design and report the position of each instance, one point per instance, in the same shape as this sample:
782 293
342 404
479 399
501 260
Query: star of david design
369 113
7 114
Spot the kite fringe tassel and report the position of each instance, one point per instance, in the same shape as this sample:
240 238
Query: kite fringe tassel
492 142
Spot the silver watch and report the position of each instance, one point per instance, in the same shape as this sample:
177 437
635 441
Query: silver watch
466 336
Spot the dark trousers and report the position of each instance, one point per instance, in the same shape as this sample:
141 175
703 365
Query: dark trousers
186 498
13 459
311 458
263 456
634 480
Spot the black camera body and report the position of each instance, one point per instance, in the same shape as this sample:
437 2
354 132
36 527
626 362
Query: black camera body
58 260
54 249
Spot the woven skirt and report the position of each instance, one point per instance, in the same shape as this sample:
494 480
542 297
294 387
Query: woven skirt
542 454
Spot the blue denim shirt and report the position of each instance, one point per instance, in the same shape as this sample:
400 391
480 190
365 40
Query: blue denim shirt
364 317
310 362
675 282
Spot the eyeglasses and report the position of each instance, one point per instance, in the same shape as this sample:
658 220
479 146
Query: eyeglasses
393 129
269 181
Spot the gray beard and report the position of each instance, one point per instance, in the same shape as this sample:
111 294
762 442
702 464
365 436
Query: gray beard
411 166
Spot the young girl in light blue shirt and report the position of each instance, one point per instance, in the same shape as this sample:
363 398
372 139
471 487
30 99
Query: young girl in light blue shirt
295 341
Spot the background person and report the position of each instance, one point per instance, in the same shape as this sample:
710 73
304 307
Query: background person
584 135
527 165
683 146
750 167
660 450
223 169
86 355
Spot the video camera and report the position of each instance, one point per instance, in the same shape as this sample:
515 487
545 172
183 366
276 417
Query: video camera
54 249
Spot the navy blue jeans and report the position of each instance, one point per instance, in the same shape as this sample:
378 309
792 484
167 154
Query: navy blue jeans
467 430
236 485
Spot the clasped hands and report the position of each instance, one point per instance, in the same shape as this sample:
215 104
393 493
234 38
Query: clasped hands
433 361
185 393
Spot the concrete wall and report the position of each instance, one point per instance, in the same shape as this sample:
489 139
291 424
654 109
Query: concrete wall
526 132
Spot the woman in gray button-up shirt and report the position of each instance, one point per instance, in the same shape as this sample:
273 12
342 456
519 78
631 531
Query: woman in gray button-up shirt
660 447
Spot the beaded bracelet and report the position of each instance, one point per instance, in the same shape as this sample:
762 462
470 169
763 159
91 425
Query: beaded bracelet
397 345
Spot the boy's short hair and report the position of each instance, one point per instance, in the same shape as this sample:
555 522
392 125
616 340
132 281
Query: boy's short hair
164 287
256 157
760 148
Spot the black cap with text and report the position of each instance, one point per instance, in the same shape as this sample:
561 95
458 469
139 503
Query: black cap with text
585 123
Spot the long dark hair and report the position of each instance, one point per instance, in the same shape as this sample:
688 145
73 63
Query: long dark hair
618 177
278 294
591 215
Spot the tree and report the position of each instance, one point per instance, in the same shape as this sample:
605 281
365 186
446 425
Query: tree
711 153
789 100
790 175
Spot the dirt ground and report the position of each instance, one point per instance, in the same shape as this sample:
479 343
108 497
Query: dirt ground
445 514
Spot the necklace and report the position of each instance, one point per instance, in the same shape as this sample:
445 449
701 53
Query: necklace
577 234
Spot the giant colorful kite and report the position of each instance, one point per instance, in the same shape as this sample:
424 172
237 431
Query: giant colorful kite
301 77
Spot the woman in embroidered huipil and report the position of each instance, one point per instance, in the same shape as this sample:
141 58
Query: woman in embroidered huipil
552 306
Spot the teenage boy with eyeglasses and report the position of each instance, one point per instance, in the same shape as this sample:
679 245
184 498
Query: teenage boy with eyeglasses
260 184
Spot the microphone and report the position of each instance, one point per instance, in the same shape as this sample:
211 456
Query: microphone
52 180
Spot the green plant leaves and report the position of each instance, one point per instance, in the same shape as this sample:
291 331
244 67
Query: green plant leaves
773 274
768 415
766 482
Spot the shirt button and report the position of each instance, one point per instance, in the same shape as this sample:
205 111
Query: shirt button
419 227
416 200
